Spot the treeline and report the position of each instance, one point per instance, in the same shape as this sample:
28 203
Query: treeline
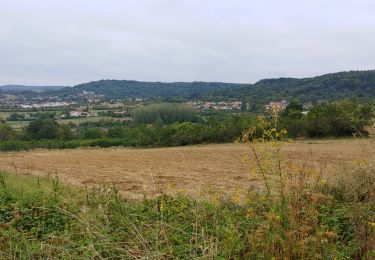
46 134
173 125
335 119
30 116
165 113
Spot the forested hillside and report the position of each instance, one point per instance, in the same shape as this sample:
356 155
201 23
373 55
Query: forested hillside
358 85
127 88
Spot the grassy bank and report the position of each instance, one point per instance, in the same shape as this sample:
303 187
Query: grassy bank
41 218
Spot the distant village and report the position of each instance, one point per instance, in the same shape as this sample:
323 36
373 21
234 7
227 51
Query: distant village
46 105
71 102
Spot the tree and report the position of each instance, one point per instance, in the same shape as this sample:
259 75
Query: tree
65 132
43 129
292 120
293 111
6 132
341 118
16 117
94 133
116 132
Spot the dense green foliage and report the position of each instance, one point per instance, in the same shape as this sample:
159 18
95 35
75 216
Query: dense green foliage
164 113
336 119
128 88
176 134
16 117
359 85
6 132
43 129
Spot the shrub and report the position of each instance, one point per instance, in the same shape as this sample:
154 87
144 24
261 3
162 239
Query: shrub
6 132
42 129
94 133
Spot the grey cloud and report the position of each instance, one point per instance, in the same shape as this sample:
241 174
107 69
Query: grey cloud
67 42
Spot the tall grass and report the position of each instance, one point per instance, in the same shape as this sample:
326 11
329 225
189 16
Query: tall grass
42 219
312 207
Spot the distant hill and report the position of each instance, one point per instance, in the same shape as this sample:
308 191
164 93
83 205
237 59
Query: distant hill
359 85
130 88
29 88
352 85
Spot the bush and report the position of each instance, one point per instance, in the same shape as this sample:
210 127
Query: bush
94 133
116 132
341 118
43 129
6 132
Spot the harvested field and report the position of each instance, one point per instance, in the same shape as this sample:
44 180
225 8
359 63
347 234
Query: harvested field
193 169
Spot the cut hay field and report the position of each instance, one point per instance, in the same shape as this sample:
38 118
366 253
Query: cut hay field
192 169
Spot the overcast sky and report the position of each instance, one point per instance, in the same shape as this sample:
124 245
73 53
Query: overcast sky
66 42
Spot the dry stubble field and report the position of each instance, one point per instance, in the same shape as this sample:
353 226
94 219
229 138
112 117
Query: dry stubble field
192 169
